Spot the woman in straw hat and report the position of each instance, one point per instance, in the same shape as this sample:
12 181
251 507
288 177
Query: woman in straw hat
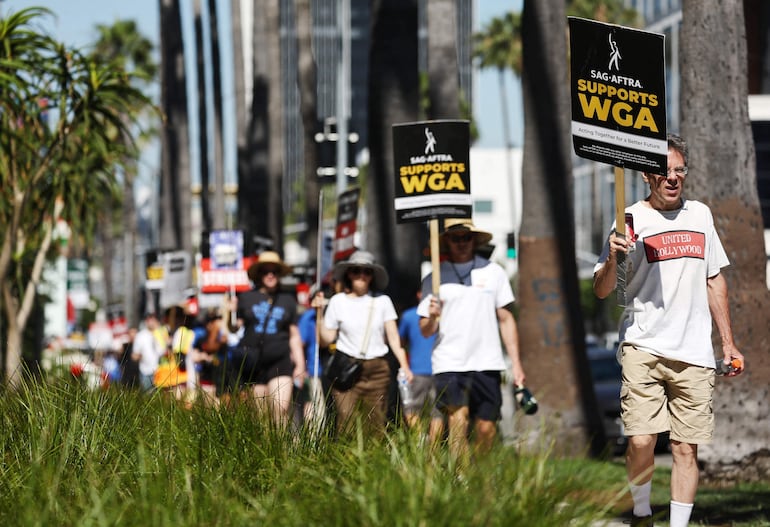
473 309
363 323
269 356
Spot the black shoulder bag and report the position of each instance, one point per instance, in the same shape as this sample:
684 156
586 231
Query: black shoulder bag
342 370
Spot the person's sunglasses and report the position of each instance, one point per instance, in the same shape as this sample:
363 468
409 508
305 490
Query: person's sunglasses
270 270
460 238
355 271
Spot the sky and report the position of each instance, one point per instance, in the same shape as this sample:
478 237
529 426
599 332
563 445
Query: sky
75 23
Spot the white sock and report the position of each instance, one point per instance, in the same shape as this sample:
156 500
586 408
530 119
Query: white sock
641 497
680 514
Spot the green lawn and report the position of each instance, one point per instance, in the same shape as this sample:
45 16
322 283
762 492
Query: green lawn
78 457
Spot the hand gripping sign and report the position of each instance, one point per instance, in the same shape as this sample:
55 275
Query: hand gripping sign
433 180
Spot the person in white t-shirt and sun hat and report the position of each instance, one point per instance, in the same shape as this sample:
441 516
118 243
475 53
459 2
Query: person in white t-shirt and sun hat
469 317
674 289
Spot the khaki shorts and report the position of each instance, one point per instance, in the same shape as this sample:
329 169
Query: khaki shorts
660 395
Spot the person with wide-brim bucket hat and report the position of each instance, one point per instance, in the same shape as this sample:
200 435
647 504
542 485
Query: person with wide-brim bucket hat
362 321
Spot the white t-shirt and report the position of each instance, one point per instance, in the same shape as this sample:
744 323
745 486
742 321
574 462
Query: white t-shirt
675 253
349 315
468 337
149 349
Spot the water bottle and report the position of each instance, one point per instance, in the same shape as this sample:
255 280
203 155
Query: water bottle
403 387
723 368
526 400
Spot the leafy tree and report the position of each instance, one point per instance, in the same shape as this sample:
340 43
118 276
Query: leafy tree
62 132
715 122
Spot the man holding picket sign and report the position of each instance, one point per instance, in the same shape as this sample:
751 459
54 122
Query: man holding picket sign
469 316
466 299
664 258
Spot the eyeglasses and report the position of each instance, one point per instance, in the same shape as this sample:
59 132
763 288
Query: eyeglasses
678 171
270 270
355 271
460 238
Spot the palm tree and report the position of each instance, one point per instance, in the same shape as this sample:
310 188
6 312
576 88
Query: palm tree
716 124
174 206
498 46
216 88
545 287
239 80
393 98
550 321
443 70
203 138
260 168
56 165
306 79
123 44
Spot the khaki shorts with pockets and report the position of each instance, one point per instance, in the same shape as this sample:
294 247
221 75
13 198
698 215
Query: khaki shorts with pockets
659 395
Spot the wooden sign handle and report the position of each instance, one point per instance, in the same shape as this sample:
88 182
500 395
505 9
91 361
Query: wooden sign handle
620 202
435 260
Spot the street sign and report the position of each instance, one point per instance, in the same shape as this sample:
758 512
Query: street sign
347 214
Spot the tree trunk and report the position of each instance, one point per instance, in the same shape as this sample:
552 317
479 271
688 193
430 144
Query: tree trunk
203 127
174 200
129 245
264 169
107 250
18 303
306 78
239 80
550 321
715 123
393 98
275 119
216 81
443 71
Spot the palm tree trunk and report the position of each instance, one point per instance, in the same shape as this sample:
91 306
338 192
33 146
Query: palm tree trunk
715 123
262 203
219 162
239 79
443 71
203 129
174 220
306 75
550 321
129 245
393 98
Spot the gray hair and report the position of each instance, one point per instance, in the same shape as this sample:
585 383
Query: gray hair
680 145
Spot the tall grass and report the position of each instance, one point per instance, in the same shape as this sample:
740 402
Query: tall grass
72 456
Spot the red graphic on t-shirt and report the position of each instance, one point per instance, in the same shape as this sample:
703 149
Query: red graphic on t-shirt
675 244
